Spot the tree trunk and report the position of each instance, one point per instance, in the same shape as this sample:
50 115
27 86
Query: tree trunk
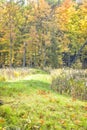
24 55
10 49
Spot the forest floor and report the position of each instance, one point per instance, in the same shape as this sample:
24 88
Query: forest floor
30 104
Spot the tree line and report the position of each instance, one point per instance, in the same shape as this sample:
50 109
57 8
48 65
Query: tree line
42 33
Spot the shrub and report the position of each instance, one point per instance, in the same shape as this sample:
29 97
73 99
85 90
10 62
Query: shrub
16 74
73 84
2 78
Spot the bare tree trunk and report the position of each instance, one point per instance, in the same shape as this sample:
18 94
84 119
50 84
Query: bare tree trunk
11 40
10 49
24 55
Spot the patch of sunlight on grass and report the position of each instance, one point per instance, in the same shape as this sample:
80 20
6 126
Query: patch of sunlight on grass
40 77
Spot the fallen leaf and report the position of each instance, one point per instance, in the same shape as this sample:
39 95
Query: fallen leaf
77 122
2 120
42 121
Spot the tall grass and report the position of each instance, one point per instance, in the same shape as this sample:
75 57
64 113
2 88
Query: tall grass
71 82
17 73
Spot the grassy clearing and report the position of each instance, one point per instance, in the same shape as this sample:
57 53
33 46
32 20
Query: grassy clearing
30 104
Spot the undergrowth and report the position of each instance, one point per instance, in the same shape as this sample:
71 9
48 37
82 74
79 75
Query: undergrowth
70 82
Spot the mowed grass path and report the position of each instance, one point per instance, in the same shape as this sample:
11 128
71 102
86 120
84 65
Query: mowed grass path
30 104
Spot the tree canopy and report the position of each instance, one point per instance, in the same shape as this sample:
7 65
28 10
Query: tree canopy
42 33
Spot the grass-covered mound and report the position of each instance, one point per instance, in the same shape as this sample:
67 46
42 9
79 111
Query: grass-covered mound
30 104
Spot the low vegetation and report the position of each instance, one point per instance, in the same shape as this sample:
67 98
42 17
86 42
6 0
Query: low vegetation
29 103
18 73
70 82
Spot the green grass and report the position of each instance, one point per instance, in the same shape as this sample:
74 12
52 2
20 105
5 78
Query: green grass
30 104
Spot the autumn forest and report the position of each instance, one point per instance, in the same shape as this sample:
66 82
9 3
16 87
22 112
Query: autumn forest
42 33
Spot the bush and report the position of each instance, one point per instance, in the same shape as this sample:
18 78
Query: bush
2 78
73 84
